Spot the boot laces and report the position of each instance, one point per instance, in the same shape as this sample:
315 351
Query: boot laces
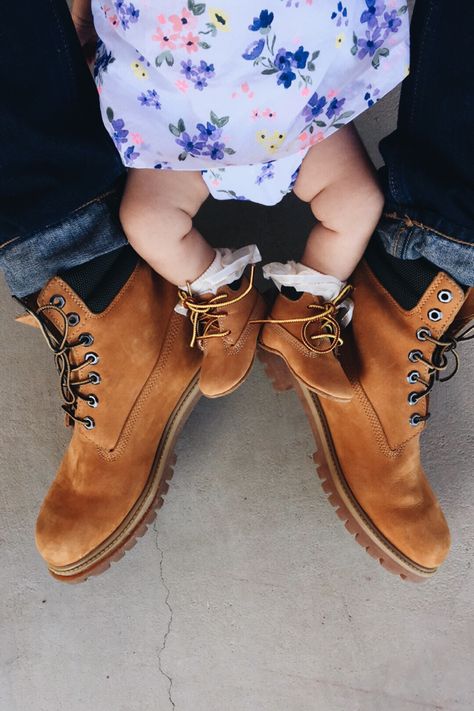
205 315
438 364
325 315
57 340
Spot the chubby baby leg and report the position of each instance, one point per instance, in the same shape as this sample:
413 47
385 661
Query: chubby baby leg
338 180
156 214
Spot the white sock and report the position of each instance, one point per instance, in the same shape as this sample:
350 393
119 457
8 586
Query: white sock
309 280
228 266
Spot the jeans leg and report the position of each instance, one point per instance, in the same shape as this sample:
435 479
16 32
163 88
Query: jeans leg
57 161
429 160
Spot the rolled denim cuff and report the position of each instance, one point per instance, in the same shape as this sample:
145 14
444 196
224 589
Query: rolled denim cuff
90 231
407 238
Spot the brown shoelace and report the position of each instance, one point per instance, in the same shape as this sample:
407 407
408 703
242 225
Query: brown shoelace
205 315
325 317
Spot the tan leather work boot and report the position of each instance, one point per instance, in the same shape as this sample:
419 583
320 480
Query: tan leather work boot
224 329
129 381
304 336
369 449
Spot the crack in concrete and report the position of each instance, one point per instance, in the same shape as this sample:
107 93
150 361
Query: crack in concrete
168 629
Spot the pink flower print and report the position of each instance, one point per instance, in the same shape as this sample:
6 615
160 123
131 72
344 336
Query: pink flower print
184 21
331 94
305 91
190 43
166 41
215 182
161 19
136 139
182 85
255 114
268 113
113 20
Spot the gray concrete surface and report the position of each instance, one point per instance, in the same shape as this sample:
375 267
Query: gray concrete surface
248 595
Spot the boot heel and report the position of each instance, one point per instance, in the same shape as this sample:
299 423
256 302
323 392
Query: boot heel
276 370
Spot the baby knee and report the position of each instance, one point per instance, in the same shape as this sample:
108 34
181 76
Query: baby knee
159 223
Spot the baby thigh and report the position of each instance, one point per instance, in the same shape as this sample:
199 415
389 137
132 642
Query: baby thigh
339 182
156 213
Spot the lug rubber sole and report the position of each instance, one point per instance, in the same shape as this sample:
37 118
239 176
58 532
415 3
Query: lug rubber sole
145 510
334 484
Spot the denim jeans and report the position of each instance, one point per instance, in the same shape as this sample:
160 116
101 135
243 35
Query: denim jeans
429 160
59 168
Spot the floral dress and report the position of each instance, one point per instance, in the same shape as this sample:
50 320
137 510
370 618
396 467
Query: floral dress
241 91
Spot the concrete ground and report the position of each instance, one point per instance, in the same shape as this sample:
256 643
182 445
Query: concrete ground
248 594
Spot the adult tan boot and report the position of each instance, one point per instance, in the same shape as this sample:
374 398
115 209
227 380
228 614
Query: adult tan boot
305 336
129 380
225 327
369 449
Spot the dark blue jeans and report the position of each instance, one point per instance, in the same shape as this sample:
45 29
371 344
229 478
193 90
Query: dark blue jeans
429 160
59 169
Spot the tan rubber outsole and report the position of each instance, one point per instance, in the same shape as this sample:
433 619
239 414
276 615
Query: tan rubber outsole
334 484
145 510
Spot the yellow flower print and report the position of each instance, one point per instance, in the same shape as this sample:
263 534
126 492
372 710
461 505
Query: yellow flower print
219 19
340 39
271 141
139 70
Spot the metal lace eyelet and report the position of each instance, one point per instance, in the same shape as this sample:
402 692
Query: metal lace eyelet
414 356
94 378
435 315
413 377
73 319
416 419
86 339
413 398
423 333
57 300
92 401
91 358
445 296
88 423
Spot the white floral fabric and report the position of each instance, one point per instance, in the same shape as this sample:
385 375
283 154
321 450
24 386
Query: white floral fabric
241 91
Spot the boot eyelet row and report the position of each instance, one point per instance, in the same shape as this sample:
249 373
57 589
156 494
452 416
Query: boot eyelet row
413 377
91 358
413 398
423 333
86 339
94 378
445 296
416 419
415 356
435 315
57 300
92 401
88 423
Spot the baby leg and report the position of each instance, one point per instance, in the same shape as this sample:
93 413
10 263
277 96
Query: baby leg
156 215
338 180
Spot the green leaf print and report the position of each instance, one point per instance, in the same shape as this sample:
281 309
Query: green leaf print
219 122
197 8
110 114
165 57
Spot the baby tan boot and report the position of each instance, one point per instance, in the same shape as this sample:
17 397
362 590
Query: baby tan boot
225 310
304 331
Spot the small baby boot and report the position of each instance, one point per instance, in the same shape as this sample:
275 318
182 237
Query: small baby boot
225 310
305 325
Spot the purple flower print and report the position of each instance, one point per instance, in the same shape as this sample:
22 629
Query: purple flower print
193 145
340 14
335 107
374 9
188 69
262 22
267 173
391 22
130 155
370 44
283 59
206 69
314 107
200 83
120 132
126 13
150 98
254 50
215 151
208 132
300 57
